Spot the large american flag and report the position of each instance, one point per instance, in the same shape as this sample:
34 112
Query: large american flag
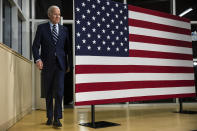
127 53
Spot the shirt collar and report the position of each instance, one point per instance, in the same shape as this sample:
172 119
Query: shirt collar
51 24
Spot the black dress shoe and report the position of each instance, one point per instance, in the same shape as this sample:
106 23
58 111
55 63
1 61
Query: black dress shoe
49 122
57 123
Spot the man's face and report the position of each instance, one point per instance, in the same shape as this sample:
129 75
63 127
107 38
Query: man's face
54 16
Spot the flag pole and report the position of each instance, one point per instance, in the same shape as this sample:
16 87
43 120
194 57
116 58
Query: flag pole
98 124
180 105
181 108
93 115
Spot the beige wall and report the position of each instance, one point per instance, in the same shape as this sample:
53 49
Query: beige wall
15 86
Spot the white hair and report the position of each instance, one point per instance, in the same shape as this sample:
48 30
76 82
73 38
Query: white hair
50 9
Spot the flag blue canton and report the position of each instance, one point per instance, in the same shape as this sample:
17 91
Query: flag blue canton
101 28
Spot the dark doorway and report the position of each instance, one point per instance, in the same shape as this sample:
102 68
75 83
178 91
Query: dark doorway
66 7
159 5
68 86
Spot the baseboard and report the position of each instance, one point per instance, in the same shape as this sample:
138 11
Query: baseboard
5 126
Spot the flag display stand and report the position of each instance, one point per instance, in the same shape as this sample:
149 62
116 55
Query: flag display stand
99 124
184 111
118 55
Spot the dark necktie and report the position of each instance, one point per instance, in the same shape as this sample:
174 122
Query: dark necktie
54 34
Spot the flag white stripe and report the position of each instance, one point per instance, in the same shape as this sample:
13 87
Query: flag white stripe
114 77
159 48
113 94
160 20
104 60
157 33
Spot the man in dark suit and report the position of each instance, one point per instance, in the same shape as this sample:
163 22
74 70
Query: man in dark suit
54 42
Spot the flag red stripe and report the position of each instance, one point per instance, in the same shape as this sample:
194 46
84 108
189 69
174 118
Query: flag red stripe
156 13
156 26
87 69
160 41
155 54
143 98
103 86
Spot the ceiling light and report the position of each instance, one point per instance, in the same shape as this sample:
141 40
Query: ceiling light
185 12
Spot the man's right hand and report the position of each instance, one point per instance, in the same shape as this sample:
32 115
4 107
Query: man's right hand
39 64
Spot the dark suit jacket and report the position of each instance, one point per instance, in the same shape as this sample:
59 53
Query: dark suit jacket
44 40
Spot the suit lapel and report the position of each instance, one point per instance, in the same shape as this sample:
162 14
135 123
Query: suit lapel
50 34
60 32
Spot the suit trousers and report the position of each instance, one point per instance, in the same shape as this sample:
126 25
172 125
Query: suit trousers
53 78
